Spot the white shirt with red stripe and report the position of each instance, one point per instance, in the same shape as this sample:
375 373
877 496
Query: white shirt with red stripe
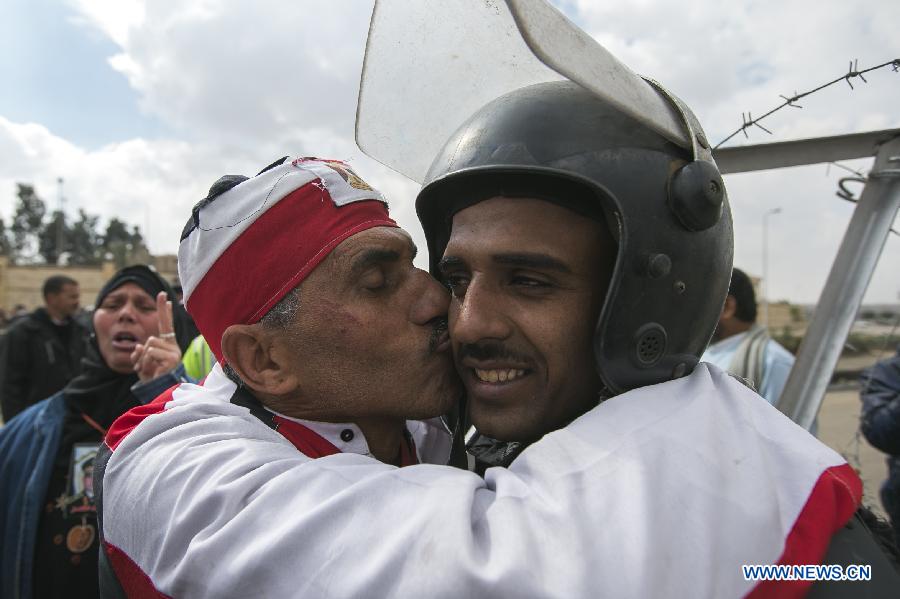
664 491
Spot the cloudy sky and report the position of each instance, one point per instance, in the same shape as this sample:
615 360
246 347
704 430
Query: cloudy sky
139 106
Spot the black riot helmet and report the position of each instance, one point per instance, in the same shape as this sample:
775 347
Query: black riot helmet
665 205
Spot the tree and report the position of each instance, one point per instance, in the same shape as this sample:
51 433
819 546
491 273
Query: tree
53 237
126 247
6 245
27 222
35 239
139 251
117 242
137 240
116 231
85 243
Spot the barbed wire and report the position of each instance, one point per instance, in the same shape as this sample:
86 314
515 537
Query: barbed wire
852 72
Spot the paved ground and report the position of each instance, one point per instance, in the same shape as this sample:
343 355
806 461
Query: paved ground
838 426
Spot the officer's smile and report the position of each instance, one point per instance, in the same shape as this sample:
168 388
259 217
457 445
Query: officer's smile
498 375
493 381
495 372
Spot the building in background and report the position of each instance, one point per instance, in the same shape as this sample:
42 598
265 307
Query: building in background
21 284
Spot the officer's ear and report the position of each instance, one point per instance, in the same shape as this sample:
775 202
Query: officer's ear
729 309
252 352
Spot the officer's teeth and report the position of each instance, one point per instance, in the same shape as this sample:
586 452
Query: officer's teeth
498 376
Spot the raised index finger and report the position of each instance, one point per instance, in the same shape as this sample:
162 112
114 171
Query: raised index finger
164 310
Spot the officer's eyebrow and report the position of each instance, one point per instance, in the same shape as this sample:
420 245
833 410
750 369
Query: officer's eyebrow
532 260
520 259
449 262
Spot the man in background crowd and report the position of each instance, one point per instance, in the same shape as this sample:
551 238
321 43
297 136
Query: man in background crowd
198 358
18 312
41 351
880 423
745 348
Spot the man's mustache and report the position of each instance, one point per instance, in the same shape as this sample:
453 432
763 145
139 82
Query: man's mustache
489 350
438 328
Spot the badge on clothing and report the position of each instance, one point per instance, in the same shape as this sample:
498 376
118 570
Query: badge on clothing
79 497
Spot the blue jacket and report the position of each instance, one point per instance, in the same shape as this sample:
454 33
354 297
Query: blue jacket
881 405
880 424
28 446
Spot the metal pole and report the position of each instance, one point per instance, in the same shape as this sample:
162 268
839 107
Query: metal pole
840 300
764 288
765 272
60 220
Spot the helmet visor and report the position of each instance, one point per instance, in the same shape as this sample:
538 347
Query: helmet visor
429 66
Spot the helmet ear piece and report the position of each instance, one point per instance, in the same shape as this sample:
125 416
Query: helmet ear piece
696 195
696 192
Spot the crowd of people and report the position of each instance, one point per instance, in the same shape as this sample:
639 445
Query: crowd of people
530 418
63 387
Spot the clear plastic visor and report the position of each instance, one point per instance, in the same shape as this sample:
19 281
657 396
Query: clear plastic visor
431 64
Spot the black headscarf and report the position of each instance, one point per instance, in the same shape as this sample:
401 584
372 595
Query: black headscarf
99 392
143 276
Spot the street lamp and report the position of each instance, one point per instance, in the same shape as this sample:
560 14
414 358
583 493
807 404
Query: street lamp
61 221
765 265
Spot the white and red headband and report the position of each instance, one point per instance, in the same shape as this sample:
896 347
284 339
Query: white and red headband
257 241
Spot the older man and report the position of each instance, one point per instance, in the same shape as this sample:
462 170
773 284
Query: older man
329 340
279 478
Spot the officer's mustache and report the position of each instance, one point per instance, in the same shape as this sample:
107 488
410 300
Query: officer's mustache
439 326
489 350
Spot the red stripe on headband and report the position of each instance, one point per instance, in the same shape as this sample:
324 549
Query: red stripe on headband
274 255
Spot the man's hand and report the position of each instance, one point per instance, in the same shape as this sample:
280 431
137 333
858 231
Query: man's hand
159 354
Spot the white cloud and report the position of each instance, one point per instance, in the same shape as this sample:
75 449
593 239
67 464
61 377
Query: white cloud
137 180
248 71
114 18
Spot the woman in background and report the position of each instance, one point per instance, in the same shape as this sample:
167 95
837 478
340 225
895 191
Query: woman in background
48 523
